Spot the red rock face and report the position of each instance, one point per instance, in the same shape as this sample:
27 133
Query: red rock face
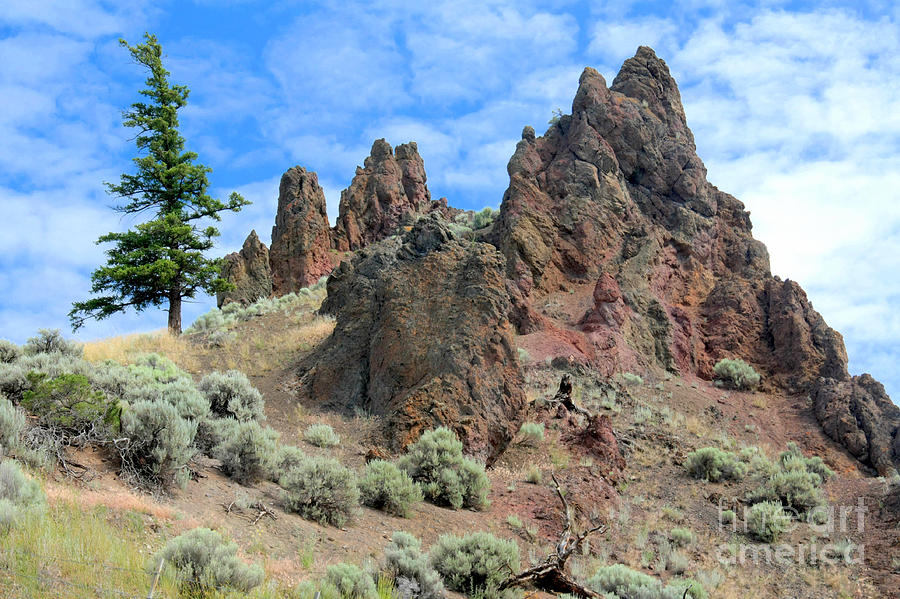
388 191
301 237
620 253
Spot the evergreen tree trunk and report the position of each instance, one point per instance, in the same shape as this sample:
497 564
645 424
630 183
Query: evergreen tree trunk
175 312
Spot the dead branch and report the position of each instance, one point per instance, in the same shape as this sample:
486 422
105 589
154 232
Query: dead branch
263 511
259 507
550 575
563 397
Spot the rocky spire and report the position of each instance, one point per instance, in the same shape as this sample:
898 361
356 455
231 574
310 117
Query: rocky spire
248 270
389 190
301 237
612 207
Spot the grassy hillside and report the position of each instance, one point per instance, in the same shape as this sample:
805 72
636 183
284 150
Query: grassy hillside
666 529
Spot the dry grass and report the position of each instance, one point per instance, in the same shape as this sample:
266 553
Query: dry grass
116 500
126 348
262 350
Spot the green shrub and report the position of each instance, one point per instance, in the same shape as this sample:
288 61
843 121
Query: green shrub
532 433
156 367
212 321
677 563
484 218
112 379
231 394
681 536
676 589
321 435
68 402
436 462
385 487
351 581
793 459
19 495
246 450
796 489
794 481
534 475
632 379
758 462
159 441
623 582
287 457
727 516
736 373
234 312
411 569
204 561
181 393
767 520
474 563
50 341
14 376
321 490
712 464
9 352
12 426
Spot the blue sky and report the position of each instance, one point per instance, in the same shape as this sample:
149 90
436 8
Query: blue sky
794 106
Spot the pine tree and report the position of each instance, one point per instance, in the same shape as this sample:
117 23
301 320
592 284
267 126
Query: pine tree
161 260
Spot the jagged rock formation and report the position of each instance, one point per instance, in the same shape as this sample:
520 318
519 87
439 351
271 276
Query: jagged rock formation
249 271
860 416
387 194
422 338
301 237
618 253
621 254
389 190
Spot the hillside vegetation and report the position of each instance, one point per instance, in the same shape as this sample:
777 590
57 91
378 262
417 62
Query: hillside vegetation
668 519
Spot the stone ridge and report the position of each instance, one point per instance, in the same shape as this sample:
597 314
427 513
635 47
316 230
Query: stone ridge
614 249
621 254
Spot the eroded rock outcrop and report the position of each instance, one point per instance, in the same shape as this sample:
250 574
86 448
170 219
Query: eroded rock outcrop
621 254
860 416
422 337
248 270
388 191
301 237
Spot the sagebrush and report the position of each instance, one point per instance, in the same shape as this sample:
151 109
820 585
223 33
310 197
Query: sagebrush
447 477
231 394
246 450
203 560
475 563
410 567
736 374
386 487
320 489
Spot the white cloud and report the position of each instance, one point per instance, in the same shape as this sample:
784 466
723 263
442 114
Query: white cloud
798 115
618 41
82 18
331 64
464 53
